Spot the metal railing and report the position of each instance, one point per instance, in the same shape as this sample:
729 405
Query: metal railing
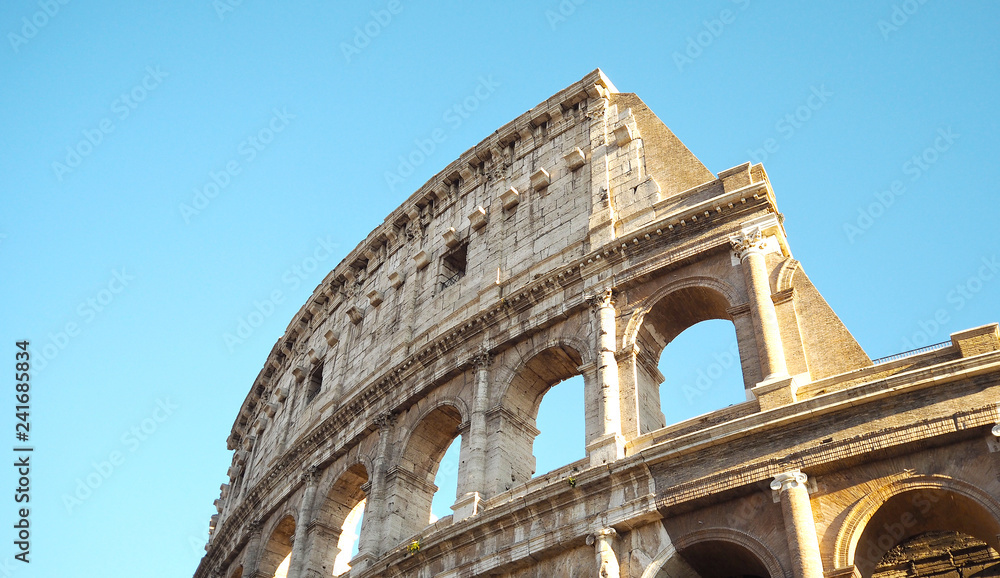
451 280
911 352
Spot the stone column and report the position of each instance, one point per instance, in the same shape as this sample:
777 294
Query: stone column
322 551
475 474
374 520
610 446
749 248
252 561
607 562
803 545
301 545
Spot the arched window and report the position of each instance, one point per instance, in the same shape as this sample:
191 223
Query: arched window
712 553
701 371
350 539
342 511
412 480
277 551
511 455
918 527
446 481
560 422
688 358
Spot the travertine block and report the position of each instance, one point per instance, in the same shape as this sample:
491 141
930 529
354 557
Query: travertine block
540 179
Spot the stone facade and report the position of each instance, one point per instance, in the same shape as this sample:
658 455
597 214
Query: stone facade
580 239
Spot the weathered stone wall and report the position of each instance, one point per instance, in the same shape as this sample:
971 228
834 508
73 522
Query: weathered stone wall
581 239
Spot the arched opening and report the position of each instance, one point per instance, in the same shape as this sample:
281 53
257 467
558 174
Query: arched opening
511 458
446 481
413 479
711 559
926 523
277 551
282 571
340 521
560 422
718 559
700 371
350 539
939 555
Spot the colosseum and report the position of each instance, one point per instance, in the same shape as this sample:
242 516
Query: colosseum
580 239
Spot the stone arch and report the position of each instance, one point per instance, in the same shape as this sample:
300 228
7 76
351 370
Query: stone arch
786 274
278 544
342 493
908 507
739 546
456 403
656 322
545 364
727 292
511 420
506 373
411 479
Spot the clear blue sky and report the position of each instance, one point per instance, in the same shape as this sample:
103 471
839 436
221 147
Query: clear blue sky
171 93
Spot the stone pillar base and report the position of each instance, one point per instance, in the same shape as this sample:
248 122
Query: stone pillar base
776 391
847 572
360 562
466 506
606 449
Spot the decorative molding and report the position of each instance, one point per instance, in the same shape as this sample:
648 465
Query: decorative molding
510 198
385 421
482 360
788 480
311 475
747 243
422 259
604 298
783 296
451 238
477 218
624 135
540 180
575 159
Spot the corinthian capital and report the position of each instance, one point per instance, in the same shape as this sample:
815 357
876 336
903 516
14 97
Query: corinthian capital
385 421
482 359
748 242
605 298
310 475
788 480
